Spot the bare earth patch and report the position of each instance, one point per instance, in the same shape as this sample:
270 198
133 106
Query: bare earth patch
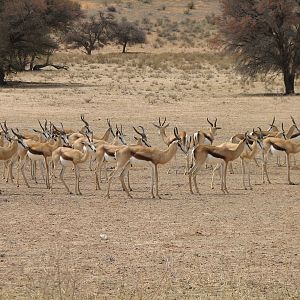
242 245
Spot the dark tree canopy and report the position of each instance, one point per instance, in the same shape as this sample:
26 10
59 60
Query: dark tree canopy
91 33
61 14
265 35
27 30
127 33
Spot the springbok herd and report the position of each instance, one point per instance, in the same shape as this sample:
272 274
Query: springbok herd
53 147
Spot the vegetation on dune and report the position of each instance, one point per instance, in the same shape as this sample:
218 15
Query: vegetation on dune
262 37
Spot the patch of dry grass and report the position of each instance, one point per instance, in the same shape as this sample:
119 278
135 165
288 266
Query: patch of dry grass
156 61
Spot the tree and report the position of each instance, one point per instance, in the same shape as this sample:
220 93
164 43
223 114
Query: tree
91 33
28 33
60 14
265 35
127 33
3 51
27 29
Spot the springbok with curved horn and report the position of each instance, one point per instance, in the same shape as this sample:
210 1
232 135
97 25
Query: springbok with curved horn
7 152
276 146
222 154
73 158
109 131
203 137
167 139
162 132
86 130
254 145
106 152
126 156
39 152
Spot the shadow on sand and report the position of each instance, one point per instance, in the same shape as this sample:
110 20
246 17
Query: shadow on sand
267 95
42 85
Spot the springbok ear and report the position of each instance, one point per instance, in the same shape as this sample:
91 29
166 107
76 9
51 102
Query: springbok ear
165 126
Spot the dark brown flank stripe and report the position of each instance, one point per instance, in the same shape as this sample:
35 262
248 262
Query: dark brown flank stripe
67 146
208 137
35 152
295 135
215 154
140 156
277 147
65 157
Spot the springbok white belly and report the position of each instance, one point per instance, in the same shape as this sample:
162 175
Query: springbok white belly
138 162
35 157
296 139
108 157
65 162
211 159
275 151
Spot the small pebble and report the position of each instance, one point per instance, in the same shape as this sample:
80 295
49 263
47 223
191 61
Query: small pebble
103 236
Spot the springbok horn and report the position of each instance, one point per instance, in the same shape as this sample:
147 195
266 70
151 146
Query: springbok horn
5 125
273 121
211 124
83 120
41 125
137 131
18 135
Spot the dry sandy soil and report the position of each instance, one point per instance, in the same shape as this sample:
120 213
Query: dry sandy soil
244 245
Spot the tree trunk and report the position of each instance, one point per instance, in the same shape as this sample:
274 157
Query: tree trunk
289 82
89 51
32 62
2 76
124 47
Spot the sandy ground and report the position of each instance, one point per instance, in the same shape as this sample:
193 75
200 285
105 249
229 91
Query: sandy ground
242 245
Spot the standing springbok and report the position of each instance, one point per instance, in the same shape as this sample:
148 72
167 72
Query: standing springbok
221 153
106 152
167 139
126 156
73 158
277 145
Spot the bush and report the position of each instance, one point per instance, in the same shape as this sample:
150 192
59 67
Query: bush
111 8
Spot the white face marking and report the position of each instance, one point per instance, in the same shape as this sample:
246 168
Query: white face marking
207 141
66 163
